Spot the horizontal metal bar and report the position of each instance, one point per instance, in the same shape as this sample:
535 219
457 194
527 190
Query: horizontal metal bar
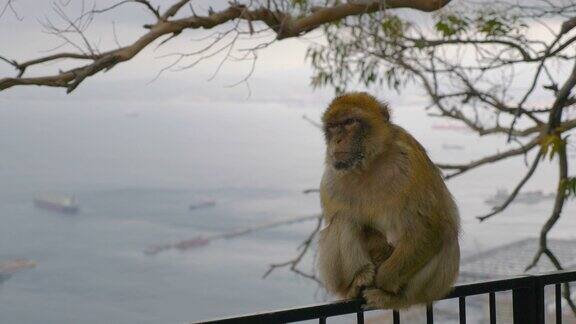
296 314
557 277
485 287
355 305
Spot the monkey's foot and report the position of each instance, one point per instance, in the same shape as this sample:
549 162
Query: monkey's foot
377 298
362 279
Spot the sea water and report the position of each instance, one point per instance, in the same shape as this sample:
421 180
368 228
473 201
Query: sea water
136 169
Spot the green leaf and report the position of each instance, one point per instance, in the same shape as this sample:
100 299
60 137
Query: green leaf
450 25
569 187
393 27
551 145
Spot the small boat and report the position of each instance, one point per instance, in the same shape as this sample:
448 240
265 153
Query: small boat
192 243
528 197
202 204
56 202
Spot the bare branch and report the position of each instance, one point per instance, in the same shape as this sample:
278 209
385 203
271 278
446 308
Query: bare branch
304 249
514 193
9 6
568 25
154 11
462 168
173 10
282 23
312 122
554 121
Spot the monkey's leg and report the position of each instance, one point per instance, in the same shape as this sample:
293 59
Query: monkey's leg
344 264
435 280
432 282
374 243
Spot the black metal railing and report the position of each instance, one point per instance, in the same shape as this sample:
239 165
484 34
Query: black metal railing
528 302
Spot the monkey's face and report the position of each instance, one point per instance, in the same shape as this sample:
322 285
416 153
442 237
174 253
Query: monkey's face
345 139
356 127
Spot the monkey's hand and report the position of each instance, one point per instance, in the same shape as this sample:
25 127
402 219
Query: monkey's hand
376 298
362 279
388 281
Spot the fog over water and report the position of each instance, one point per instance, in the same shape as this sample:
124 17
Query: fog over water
135 174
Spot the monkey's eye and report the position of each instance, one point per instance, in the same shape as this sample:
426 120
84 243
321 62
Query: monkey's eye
349 121
337 127
332 128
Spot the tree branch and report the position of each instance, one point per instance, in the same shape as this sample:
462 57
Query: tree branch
462 168
282 23
9 6
304 249
554 122
514 193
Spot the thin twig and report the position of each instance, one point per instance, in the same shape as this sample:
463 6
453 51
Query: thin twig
304 248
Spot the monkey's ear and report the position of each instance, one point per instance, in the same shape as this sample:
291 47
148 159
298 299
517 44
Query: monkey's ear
385 110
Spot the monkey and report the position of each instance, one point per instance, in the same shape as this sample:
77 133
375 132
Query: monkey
391 226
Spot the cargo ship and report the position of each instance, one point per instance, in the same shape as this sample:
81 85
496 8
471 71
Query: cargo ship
528 197
56 202
10 267
202 204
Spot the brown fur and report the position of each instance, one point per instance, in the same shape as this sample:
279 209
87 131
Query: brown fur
388 214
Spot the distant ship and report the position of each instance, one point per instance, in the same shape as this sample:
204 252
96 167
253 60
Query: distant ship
528 197
202 204
180 245
452 147
56 202
8 268
451 127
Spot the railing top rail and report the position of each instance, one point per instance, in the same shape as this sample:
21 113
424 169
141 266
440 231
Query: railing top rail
355 305
342 307
484 287
555 277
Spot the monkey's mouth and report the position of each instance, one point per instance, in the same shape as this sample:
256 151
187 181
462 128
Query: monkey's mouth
341 156
346 160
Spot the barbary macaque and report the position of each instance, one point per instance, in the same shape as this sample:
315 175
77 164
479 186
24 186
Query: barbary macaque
391 225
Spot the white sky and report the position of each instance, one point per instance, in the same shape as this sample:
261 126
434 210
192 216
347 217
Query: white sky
281 71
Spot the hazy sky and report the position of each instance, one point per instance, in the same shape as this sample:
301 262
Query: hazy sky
281 74
281 71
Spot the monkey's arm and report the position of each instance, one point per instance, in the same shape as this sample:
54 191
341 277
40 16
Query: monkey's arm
419 244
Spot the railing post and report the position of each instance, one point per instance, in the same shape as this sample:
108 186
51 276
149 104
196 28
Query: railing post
528 303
